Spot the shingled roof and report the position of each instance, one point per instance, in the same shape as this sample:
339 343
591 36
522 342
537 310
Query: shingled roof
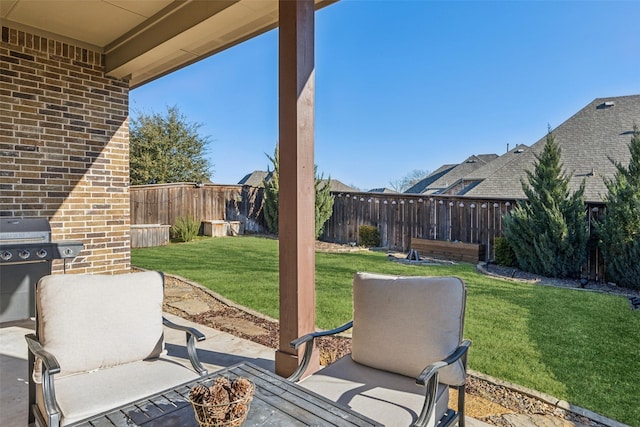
449 175
588 140
383 190
257 178
474 178
422 185
254 179
340 187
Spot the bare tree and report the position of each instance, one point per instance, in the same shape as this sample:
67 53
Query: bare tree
410 179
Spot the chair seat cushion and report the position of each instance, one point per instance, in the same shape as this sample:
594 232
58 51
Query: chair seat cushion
83 395
391 399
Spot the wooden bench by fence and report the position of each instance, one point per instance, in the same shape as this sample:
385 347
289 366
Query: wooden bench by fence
457 251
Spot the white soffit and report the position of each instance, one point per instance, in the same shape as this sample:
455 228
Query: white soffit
92 22
146 39
224 29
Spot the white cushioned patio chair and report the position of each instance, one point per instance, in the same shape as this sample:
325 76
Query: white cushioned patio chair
99 344
407 351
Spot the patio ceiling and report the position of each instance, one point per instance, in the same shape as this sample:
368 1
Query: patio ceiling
144 40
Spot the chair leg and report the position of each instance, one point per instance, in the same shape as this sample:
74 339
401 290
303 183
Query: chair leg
461 393
32 390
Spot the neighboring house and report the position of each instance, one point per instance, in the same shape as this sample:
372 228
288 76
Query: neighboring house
449 175
340 187
256 179
588 140
424 184
473 179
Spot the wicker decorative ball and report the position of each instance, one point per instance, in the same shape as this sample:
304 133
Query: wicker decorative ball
224 403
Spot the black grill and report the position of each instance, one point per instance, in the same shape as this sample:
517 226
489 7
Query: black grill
26 253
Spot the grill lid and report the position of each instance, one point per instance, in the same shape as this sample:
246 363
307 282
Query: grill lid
24 230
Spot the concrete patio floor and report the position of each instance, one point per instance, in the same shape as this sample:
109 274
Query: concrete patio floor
219 350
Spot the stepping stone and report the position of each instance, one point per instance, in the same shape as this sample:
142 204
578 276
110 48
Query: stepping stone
521 420
240 325
175 292
190 306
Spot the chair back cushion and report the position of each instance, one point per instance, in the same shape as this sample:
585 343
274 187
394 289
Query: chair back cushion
92 321
403 324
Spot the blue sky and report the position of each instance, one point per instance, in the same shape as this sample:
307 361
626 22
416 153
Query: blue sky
404 85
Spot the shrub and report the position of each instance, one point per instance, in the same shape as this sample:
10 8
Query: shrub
185 229
369 236
504 254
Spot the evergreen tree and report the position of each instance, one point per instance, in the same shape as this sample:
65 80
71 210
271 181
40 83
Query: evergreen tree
323 197
548 231
271 190
324 202
166 148
619 230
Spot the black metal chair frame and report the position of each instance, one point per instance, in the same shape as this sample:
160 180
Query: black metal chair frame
428 378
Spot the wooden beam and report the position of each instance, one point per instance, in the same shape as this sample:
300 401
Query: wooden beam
170 22
297 196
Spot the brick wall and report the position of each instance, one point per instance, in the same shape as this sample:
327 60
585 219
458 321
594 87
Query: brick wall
64 147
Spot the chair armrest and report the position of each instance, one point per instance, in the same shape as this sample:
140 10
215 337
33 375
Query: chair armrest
50 362
308 340
192 335
431 370
429 379
51 367
190 331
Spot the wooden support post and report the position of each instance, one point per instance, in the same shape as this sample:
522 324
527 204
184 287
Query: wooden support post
297 196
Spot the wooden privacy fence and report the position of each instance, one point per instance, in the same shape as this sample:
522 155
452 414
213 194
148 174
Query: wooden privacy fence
400 217
164 203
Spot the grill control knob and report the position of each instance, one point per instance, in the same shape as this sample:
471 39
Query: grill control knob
41 253
24 254
68 251
6 255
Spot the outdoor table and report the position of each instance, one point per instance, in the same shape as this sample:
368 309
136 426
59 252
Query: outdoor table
276 402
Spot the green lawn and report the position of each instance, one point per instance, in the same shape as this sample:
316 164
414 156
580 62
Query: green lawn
582 347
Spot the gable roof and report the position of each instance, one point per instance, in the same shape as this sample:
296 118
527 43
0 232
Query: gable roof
422 185
497 163
254 179
474 178
257 178
445 176
382 190
588 140
340 187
